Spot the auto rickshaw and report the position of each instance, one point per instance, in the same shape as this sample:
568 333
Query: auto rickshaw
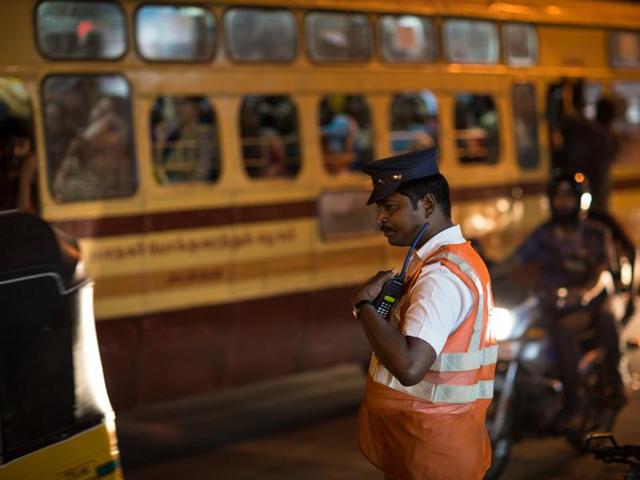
56 421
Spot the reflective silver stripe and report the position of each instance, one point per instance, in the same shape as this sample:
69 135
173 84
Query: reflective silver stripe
438 393
458 362
474 359
474 344
441 393
485 389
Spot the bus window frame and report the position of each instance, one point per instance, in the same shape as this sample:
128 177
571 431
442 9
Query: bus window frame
217 40
134 146
445 56
437 37
609 48
503 49
227 49
127 42
375 51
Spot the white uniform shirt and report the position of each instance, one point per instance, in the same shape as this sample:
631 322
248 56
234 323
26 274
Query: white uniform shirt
439 301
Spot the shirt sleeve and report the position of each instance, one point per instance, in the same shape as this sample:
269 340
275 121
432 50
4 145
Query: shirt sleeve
439 303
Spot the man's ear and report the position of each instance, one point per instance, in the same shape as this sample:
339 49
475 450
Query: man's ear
429 204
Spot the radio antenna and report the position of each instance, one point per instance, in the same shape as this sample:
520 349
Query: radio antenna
413 246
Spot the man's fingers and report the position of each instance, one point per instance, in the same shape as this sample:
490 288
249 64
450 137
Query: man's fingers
386 275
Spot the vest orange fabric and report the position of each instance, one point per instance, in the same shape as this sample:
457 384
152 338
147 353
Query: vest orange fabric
436 429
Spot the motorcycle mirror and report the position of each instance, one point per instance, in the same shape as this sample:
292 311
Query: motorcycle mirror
598 440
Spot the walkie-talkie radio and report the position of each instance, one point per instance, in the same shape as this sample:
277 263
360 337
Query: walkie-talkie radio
392 288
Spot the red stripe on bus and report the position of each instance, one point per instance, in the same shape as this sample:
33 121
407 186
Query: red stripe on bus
186 219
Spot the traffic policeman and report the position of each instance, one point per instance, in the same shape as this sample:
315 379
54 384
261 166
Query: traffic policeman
431 374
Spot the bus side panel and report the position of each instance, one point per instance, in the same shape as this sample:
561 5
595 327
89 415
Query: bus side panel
203 350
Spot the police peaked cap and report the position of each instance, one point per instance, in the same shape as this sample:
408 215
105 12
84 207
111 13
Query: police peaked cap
389 173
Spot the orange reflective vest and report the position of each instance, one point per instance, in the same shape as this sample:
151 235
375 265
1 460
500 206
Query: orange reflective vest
436 428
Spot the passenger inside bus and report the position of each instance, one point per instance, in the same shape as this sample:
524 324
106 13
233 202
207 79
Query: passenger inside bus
96 162
346 133
184 140
477 134
409 120
18 164
269 137
356 107
339 131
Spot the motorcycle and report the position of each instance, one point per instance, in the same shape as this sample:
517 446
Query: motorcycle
528 393
604 447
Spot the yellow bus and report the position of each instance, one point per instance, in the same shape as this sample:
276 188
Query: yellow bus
207 156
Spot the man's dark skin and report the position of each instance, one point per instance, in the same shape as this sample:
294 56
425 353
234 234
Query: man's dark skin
407 358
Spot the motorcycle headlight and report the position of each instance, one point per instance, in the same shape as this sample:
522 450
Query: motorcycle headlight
502 323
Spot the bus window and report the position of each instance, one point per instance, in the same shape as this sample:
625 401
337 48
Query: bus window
627 122
471 41
520 44
338 37
414 121
476 129
269 129
407 38
81 30
525 125
184 137
346 133
88 136
624 49
346 214
18 163
167 32
260 35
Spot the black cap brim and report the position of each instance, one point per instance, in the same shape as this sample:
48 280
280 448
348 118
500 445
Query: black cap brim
380 192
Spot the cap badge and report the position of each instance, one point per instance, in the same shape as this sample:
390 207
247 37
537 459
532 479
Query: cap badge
393 178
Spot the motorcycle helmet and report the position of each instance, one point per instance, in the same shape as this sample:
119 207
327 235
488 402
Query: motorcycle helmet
569 197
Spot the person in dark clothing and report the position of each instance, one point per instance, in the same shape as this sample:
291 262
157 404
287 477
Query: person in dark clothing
571 252
18 166
605 146
575 138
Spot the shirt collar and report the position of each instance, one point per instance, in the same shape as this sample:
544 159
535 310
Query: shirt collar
447 236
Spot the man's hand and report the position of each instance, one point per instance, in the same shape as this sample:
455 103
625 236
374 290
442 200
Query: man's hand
371 288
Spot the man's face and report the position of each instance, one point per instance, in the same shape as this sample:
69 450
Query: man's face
564 203
399 220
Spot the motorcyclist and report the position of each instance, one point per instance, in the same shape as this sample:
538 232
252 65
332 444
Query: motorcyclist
571 252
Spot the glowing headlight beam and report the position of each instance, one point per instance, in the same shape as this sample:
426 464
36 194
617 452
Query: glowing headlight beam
502 323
